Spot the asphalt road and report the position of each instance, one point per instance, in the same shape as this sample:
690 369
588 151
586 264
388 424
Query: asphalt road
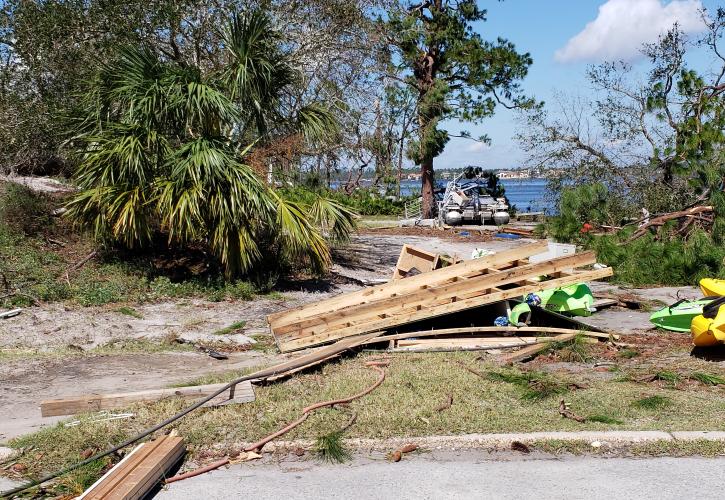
463 475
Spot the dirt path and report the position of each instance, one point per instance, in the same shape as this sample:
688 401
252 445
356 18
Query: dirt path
26 382
56 327
59 332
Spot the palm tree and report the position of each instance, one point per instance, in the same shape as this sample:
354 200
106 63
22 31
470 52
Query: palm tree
162 150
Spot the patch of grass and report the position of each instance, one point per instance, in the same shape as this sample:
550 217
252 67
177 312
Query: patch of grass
331 448
678 448
604 419
655 402
707 378
403 406
672 378
264 343
532 384
575 350
233 328
76 482
561 446
130 311
628 353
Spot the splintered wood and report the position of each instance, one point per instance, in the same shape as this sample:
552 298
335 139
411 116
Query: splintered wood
451 289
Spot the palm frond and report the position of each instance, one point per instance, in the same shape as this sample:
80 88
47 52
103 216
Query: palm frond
335 219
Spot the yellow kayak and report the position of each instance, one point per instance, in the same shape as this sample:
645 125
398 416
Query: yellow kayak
708 329
712 287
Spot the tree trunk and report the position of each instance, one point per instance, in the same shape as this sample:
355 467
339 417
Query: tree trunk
426 191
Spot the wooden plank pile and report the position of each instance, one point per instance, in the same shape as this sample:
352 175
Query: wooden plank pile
139 471
439 292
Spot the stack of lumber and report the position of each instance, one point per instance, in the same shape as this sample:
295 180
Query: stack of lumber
139 471
439 292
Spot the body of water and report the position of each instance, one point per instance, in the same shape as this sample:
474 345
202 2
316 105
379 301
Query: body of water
526 194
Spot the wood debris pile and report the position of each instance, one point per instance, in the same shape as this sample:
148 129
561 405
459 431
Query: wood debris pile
439 292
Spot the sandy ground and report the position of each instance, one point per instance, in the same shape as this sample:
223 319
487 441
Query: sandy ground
25 382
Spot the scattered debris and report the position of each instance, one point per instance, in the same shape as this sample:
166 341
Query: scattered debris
10 314
397 455
519 446
565 412
451 289
103 416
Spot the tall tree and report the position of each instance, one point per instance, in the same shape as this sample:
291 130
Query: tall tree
656 142
455 72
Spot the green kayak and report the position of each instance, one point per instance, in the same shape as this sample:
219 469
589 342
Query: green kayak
679 315
575 300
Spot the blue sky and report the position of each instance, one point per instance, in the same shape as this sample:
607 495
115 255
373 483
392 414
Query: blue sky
545 28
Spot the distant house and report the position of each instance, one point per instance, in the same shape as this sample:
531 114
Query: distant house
413 177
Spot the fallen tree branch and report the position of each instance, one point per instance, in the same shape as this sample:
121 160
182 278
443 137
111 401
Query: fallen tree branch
662 219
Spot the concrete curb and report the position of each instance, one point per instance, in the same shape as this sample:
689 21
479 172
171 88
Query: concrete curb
503 441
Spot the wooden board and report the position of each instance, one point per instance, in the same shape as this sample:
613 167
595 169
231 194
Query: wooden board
499 330
395 288
531 351
97 402
139 471
428 302
412 258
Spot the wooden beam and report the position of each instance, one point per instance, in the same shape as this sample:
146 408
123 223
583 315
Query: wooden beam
139 471
96 402
401 287
417 312
501 330
531 351
427 298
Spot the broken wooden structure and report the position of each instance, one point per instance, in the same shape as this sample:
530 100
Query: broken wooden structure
413 260
452 289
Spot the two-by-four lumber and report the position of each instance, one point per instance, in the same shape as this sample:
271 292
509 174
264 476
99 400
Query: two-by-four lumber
499 330
96 402
531 351
402 287
417 313
471 287
138 472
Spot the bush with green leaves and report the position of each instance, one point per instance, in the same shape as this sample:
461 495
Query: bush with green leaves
23 210
161 149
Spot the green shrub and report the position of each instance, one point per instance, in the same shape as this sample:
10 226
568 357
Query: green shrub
23 210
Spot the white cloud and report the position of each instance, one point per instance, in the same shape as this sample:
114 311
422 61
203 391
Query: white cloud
477 147
622 26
